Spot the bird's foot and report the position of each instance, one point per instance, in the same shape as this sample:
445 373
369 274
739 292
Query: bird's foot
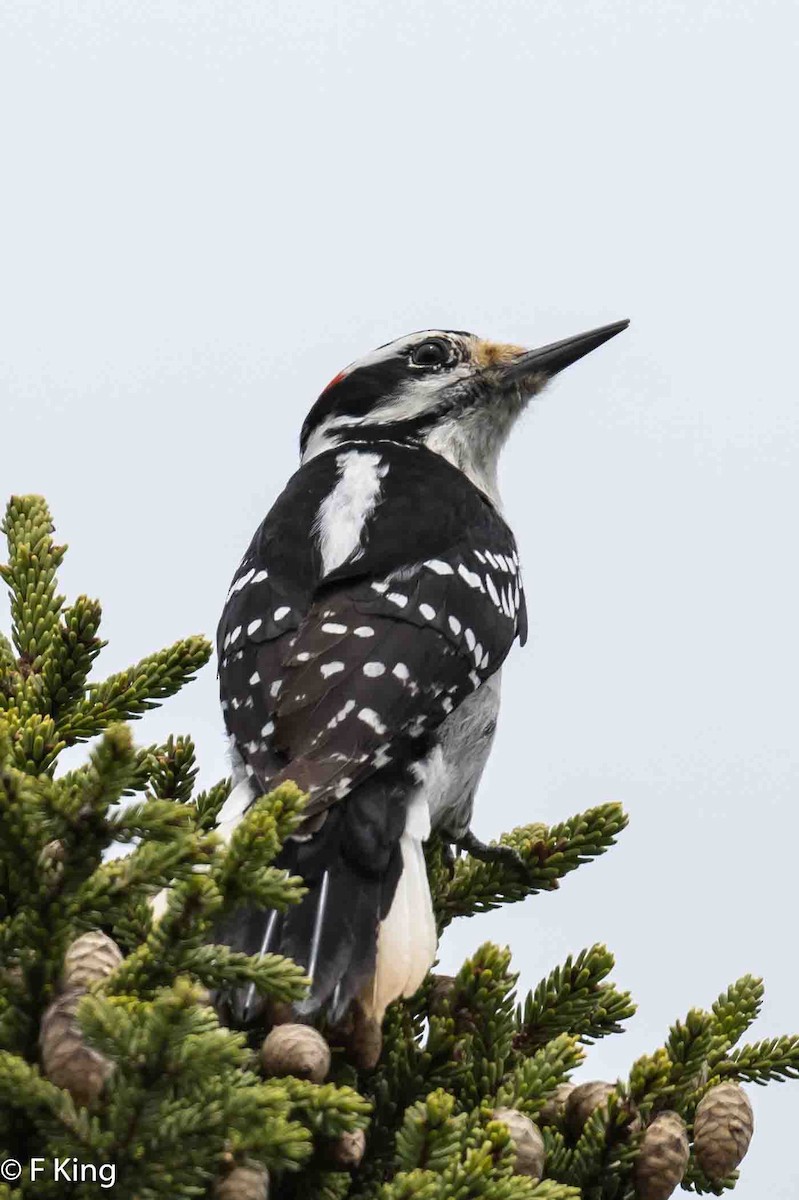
449 856
492 854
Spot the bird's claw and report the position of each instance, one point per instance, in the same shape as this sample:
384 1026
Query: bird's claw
492 854
450 858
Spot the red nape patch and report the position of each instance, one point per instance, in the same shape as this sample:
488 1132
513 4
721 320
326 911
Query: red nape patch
336 379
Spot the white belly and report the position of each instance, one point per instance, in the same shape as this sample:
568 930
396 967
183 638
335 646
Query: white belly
449 776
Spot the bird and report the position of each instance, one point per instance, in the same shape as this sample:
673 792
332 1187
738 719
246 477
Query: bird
360 655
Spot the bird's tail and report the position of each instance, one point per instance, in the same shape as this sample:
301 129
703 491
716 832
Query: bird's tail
365 929
407 939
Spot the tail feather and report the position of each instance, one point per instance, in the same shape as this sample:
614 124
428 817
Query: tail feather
269 933
407 938
365 928
346 946
250 931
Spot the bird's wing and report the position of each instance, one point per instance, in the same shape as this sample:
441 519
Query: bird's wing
329 679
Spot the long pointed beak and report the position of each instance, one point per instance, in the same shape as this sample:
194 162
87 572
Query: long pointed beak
548 360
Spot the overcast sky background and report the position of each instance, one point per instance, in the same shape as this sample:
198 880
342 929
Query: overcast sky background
208 208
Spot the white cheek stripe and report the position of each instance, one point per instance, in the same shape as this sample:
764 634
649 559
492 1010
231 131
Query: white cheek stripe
344 512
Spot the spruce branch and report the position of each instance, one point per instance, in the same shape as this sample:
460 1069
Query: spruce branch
597 1151
650 1079
530 1083
244 872
688 1045
736 1009
317 1184
187 1088
774 1058
407 1071
329 1110
30 575
272 974
549 1189
78 803
431 1133
108 772
191 905
103 897
574 999
23 1087
128 694
74 649
35 740
209 803
24 835
695 1180
483 1006
548 855
174 770
8 670
157 819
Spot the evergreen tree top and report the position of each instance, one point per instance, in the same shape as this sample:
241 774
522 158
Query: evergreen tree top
112 1056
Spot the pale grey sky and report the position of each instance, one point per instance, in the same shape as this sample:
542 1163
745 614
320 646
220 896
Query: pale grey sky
209 207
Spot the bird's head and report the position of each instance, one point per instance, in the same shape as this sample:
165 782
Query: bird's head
453 392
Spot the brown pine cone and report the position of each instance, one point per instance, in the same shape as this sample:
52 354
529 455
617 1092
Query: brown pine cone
662 1157
527 1141
348 1150
723 1128
296 1050
582 1101
67 1060
91 957
243 1183
555 1107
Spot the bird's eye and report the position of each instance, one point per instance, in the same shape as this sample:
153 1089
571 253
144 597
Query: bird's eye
433 353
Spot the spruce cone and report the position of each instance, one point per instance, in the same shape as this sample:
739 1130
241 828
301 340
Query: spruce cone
243 1183
662 1158
527 1141
296 1050
553 1111
348 1150
91 957
723 1128
582 1101
67 1061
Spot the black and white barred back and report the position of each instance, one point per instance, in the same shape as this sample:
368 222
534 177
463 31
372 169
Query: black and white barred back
351 632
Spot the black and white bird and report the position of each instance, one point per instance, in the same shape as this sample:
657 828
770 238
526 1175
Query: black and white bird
361 646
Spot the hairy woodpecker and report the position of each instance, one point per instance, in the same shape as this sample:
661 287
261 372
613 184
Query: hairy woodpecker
361 646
